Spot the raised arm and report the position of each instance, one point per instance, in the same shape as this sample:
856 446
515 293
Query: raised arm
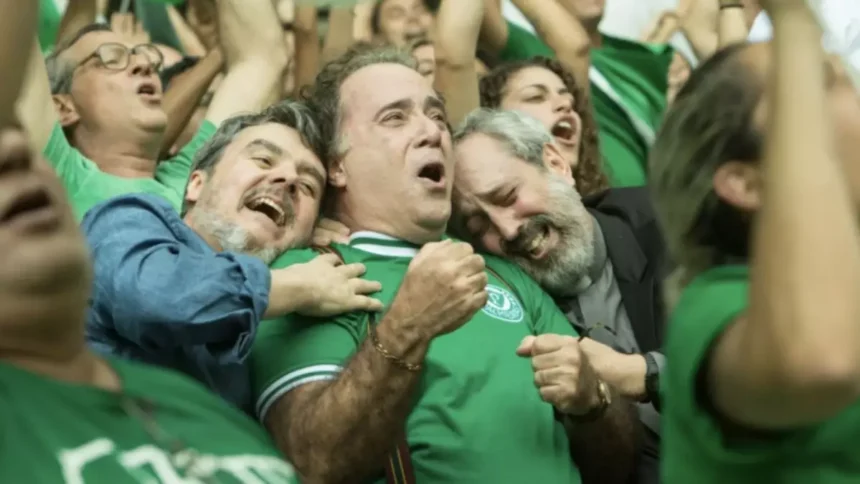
35 105
308 50
17 41
805 273
79 14
339 36
562 32
458 25
255 55
341 430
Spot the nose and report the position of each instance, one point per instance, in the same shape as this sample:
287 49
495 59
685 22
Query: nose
431 134
140 65
287 177
14 152
506 224
562 104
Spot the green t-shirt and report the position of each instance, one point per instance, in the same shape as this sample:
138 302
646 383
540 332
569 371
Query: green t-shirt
694 448
88 186
638 74
49 24
477 417
62 432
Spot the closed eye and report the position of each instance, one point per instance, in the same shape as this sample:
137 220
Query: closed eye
394 117
263 160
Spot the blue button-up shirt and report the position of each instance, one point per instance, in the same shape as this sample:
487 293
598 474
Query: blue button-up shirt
162 295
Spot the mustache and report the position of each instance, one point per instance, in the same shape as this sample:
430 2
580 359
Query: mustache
528 231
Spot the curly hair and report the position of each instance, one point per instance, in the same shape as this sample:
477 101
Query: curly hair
588 173
323 96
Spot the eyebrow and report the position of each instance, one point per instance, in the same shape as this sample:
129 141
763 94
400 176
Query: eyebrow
305 167
266 145
406 104
544 88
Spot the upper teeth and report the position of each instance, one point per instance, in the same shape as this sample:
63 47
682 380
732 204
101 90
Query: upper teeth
273 205
564 125
536 242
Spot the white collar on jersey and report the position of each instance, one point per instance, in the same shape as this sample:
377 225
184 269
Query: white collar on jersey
381 244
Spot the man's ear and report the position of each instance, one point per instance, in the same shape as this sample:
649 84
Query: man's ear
66 110
556 162
337 173
739 184
196 183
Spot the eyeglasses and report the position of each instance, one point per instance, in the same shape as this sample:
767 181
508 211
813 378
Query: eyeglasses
116 57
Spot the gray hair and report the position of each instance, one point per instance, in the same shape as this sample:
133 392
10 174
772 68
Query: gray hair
524 136
293 114
60 71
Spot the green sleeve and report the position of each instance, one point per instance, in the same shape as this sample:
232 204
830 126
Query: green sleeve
522 45
174 173
71 166
707 307
294 350
543 313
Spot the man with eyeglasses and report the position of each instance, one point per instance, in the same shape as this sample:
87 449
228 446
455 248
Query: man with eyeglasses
102 125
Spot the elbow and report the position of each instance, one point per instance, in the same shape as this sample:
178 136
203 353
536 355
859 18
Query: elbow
833 375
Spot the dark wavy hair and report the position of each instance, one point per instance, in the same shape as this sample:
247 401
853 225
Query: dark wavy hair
588 173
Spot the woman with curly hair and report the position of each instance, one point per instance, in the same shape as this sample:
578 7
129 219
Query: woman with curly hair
542 88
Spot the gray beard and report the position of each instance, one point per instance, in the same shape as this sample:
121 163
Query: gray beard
231 237
565 270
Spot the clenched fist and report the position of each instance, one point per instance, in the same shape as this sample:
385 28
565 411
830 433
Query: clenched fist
443 288
563 375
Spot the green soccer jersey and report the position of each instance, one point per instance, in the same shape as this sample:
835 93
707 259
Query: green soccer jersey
695 450
629 106
87 185
57 432
477 417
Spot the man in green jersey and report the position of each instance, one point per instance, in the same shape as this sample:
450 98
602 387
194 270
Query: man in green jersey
755 176
628 80
66 414
453 362
96 110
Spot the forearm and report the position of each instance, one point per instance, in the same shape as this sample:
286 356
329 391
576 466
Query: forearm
605 450
308 50
233 96
732 25
339 36
185 93
79 14
458 24
562 32
343 431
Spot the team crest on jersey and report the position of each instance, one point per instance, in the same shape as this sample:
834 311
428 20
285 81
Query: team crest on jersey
501 304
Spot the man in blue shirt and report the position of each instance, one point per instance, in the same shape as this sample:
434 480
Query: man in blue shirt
188 291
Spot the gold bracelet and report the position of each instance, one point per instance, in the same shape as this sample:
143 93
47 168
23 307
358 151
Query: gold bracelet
371 333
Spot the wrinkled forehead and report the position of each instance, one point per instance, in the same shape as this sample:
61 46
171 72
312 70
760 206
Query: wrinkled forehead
483 164
275 140
376 86
91 41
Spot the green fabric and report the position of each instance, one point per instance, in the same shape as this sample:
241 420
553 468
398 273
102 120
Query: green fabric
695 450
477 417
153 16
49 24
639 75
88 186
62 432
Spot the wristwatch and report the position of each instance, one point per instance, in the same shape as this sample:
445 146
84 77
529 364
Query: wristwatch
653 362
595 413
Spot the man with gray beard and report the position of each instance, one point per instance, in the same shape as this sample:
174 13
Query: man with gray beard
188 292
601 258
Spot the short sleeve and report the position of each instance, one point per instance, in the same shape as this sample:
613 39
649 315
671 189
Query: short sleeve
295 350
706 308
174 173
543 312
522 45
69 163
